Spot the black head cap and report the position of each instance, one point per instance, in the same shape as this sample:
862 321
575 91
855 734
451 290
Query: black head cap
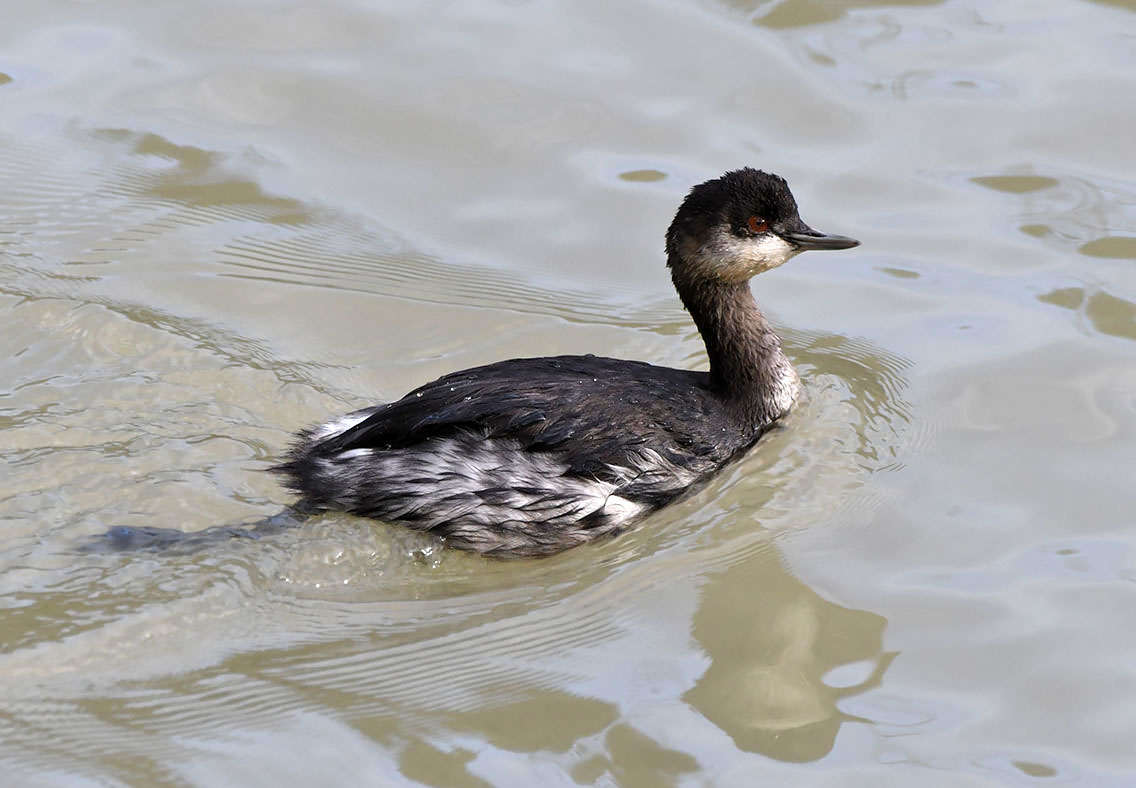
746 202
732 199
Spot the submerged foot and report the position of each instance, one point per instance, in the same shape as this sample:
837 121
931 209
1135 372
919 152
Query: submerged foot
126 538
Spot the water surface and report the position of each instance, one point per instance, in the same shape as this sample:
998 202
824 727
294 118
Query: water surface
220 222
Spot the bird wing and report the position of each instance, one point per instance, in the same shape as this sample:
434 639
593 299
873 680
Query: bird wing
594 413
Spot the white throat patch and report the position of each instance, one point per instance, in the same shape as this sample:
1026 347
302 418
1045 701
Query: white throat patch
740 258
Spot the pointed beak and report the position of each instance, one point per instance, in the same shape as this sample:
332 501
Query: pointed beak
805 238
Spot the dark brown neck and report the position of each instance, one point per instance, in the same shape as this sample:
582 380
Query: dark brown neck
747 366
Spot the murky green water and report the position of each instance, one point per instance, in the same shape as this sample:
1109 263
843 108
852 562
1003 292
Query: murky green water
220 222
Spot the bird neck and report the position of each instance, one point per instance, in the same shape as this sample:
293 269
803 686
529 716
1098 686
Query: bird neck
748 369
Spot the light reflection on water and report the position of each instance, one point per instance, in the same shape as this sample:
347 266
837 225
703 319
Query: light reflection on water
223 223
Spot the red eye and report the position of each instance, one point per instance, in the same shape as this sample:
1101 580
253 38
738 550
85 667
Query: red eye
757 226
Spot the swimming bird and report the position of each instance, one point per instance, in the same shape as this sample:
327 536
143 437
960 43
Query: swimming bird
532 456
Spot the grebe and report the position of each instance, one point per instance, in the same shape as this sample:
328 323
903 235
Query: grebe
532 456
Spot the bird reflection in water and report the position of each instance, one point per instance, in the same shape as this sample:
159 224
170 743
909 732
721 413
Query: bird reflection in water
772 641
